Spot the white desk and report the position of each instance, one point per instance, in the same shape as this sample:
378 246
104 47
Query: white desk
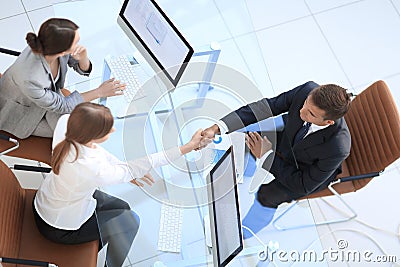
131 140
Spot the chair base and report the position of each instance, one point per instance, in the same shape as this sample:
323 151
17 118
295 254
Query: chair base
351 216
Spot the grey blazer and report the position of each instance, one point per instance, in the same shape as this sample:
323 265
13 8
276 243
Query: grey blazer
28 91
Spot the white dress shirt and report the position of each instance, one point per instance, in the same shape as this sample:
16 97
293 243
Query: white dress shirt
314 128
65 201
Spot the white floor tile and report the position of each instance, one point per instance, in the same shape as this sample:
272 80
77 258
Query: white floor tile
396 3
10 8
36 4
55 2
244 61
199 21
318 6
266 13
19 26
373 203
365 39
394 86
38 16
251 50
236 16
295 53
5 62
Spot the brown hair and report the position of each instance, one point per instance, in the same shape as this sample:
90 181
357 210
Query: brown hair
88 121
55 36
333 99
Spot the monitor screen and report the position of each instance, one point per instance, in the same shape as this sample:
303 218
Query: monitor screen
225 223
156 38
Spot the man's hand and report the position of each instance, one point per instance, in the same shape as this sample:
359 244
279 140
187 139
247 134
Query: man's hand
258 145
208 135
147 178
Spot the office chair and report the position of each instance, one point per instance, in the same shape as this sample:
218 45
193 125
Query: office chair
19 236
374 125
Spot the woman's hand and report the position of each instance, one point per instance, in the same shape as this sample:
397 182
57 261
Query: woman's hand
147 178
258 145
80 54
111 87
208 135
108 88
196 142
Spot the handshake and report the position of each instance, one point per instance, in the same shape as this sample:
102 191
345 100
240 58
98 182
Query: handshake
258 145
200 139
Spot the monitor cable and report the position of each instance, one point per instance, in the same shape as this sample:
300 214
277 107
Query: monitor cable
263 254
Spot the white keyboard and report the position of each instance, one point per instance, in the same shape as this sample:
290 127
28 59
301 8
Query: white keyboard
170 234
123 70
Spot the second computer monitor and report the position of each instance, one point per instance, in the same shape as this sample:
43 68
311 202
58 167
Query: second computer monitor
156 37
225 222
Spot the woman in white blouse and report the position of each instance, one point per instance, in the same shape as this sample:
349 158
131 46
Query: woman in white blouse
67 202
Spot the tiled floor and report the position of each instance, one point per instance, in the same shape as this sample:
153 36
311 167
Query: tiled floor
277 45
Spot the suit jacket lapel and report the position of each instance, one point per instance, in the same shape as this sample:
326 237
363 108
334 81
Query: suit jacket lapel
63 70
48 71
293 128
317 137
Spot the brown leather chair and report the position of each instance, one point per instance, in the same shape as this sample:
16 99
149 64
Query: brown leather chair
374 125
19 236
34 147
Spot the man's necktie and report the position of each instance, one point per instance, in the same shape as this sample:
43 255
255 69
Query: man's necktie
302 132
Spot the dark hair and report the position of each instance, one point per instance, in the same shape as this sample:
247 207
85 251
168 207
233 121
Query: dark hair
55 36
333 99
88 121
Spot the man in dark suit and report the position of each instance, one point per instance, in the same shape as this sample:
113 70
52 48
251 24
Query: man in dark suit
309 151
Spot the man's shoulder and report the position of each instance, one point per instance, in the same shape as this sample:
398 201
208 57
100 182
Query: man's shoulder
307 87
342 137
300 92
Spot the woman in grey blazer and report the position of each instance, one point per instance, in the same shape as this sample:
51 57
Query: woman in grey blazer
30 89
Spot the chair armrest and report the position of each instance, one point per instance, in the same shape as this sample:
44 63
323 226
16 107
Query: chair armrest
27 262
9 52
9 139
31 168
358 177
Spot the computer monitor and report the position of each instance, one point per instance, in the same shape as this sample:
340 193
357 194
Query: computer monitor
224 211
156 38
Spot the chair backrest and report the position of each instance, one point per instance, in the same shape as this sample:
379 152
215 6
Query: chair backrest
374 125
19 236
12 201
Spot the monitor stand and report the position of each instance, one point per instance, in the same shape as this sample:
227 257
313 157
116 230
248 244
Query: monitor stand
207 230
